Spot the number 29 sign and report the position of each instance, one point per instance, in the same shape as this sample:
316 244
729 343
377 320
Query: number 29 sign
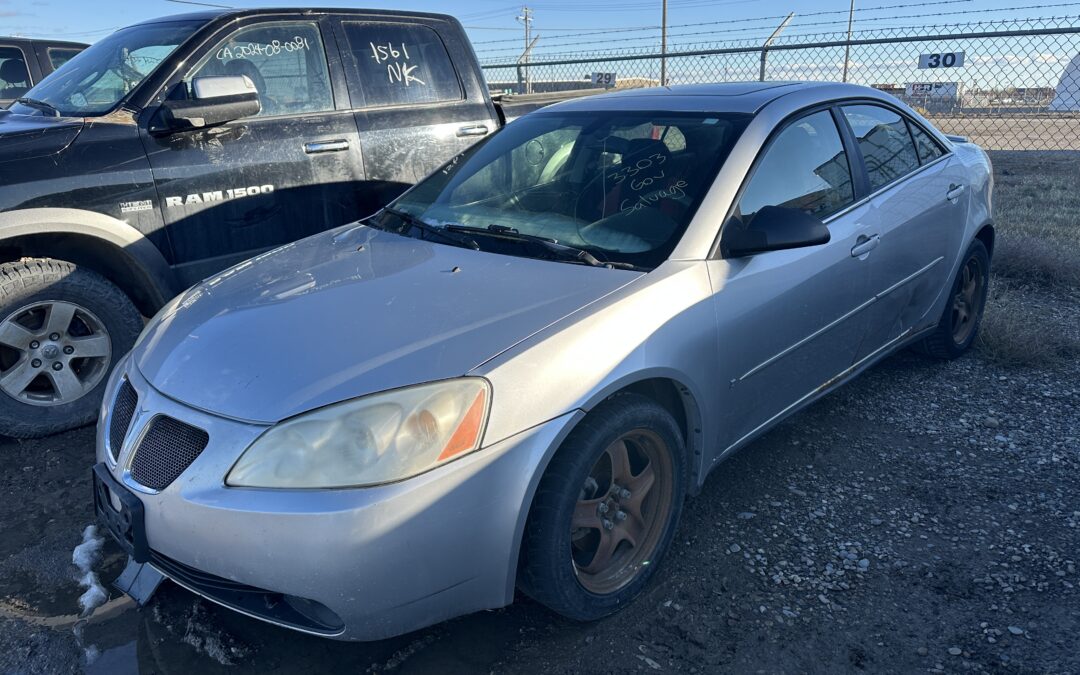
942 60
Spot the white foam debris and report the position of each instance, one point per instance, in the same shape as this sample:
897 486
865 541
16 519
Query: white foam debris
85 556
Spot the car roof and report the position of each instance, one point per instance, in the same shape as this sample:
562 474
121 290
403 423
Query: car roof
732 97
37 41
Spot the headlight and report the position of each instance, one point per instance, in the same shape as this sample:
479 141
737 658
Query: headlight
370 440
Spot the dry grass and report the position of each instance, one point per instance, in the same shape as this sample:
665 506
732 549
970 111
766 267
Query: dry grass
1037 217
1017 332
1036 264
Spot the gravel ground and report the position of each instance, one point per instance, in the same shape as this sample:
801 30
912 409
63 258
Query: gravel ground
926 517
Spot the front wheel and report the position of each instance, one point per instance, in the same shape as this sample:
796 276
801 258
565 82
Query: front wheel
959 324
62 328
605 510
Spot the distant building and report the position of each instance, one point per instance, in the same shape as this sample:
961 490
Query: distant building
1067 94
935 97
551 86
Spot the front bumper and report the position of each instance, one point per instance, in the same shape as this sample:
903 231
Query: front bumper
384 560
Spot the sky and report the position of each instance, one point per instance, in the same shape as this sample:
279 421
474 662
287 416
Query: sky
569 27
560 23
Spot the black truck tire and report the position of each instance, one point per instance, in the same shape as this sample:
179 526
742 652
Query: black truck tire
62 329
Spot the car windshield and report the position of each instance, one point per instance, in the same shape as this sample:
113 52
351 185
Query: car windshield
612 187
98 78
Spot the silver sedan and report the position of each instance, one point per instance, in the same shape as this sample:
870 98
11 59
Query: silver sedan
514 375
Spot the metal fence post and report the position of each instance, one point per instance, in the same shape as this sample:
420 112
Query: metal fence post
765 45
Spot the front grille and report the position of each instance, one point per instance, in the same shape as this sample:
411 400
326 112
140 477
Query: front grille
168 447
123 408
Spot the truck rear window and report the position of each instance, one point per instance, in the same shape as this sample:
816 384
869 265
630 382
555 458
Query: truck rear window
398 64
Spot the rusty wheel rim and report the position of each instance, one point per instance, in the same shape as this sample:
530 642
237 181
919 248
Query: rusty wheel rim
966 301
622 511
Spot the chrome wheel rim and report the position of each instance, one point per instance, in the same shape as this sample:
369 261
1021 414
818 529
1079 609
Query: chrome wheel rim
967 300
622 512
52 353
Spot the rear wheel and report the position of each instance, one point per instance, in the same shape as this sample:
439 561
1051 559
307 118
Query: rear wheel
606 509
61 330
959 324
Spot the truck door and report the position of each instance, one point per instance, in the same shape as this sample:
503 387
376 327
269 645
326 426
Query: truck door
414 108
233 190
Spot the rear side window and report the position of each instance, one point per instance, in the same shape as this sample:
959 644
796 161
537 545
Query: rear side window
285 61
804 168
14 78
59 56
884 141
398 64
928 148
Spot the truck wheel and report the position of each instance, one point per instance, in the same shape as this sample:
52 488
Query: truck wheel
605 510
62 328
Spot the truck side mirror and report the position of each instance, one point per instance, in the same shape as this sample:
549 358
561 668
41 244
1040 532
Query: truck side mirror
773 228
214 100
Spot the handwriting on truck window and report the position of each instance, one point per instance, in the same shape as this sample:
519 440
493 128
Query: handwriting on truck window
396 57
272 48
675 190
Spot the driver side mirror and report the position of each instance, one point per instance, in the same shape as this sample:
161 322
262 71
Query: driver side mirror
214 100
773 228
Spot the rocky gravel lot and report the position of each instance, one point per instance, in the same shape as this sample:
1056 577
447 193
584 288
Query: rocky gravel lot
924 518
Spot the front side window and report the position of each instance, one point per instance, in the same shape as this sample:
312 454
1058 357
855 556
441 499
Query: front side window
886 146
95 80
14 77
58 56
804 168
398 64
285 62
603 181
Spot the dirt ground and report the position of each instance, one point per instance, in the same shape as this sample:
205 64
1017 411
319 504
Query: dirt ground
926 517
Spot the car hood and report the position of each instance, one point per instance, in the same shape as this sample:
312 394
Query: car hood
352 312
28 136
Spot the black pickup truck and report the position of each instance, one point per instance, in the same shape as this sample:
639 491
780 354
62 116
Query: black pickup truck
176 147
24 63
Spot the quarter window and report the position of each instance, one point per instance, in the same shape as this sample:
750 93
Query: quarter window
928 148
804 168
59 56
884 142
285 61
14 78
399 64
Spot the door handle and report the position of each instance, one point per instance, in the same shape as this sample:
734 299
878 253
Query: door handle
955 191
864 245
315 147
478 130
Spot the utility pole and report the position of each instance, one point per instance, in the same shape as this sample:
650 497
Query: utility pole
847 47
526 18
663 44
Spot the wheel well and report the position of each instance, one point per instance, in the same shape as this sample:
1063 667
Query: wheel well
92 253
986 236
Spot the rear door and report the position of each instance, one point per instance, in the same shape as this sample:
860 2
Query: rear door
914 218
415 109
233 190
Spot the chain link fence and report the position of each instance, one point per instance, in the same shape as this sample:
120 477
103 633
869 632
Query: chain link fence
1006 85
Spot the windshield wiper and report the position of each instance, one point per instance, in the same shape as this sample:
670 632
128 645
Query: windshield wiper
40 105
564 251
432 229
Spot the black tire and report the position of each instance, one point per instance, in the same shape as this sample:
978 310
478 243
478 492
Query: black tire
948 341
549 572
102 311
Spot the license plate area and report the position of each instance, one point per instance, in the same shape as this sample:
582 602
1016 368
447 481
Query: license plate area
125 523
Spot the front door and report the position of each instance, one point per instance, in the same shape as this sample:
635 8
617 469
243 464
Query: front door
234 190
415 109
791 320
916 219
